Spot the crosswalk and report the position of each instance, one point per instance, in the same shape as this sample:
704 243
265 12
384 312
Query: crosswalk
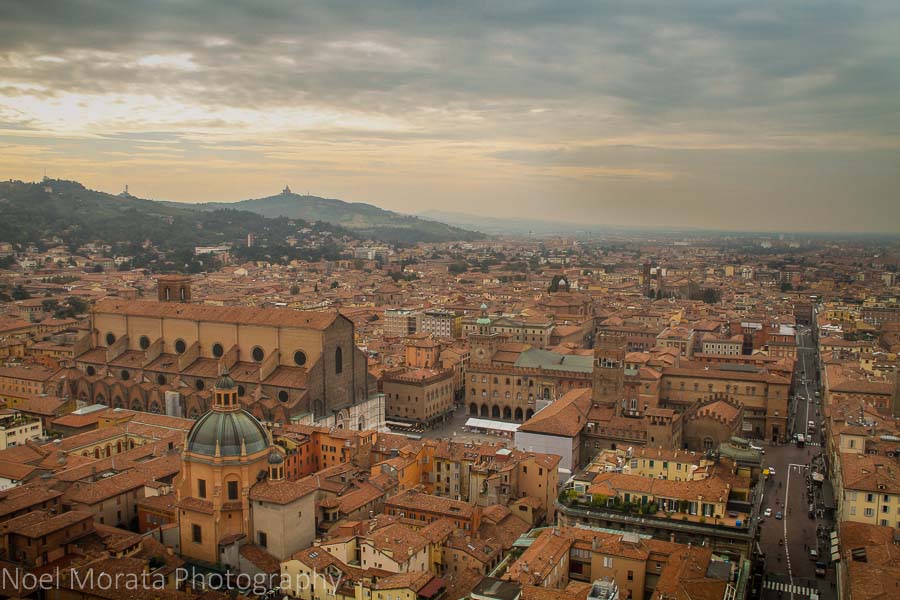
787 588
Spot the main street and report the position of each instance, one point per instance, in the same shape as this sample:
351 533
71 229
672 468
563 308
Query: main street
790 568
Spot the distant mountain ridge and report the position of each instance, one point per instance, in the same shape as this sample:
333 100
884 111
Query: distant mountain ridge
75 215
364 219
498 226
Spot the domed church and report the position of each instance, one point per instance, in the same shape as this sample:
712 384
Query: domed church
228 460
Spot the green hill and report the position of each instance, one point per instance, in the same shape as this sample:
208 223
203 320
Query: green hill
365 219
58 211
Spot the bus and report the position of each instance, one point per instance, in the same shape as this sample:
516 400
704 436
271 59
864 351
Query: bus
801 440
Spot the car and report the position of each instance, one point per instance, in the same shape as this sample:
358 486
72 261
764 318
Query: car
778 515
771 471
753 446
768 512
814 554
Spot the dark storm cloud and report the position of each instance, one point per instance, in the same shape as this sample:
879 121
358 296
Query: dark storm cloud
653 61
706 99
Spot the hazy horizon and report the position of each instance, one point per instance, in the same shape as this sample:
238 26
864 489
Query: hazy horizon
780 117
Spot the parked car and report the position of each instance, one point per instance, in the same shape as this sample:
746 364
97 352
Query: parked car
778 515
768 512
759 449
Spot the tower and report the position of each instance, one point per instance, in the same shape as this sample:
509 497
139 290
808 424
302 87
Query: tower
645 279
895 396
174 288
609 369
483 347
226 452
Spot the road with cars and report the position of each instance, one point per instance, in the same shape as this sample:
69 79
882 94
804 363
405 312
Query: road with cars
791 533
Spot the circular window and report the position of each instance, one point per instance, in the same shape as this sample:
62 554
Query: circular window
180 346
299 358
161 379
218 350
200 384
91 371
258 354
241 390
110 339
125 375
283 396
144 342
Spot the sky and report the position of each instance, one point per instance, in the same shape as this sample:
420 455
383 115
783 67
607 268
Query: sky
765 115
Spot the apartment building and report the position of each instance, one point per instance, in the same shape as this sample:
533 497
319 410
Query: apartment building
871 489
441 323
401 322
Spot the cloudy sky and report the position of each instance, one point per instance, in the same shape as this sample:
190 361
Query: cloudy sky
770 114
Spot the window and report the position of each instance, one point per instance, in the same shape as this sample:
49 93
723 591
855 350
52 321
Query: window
870 497
283 396
218 350
263 540
201 488
144 342
180 346
232 490
630 575
870 512
110 339
196 534
299 358
258 354
608 562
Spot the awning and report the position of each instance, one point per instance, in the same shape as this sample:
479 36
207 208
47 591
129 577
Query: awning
828 494
492 425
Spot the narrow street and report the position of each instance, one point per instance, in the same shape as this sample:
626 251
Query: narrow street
788 541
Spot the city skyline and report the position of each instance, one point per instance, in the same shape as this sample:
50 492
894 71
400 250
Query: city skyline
779 118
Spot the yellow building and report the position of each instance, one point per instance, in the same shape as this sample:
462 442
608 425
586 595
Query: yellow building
225 451
871 490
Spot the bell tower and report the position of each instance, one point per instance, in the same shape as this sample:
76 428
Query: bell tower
609 369
174 288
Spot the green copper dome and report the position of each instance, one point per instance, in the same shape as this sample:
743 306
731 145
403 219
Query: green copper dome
230 429
225 382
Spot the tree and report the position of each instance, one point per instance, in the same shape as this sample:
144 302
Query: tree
316 288
786 286
77 304
334 284
711 296
457 268
20 293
